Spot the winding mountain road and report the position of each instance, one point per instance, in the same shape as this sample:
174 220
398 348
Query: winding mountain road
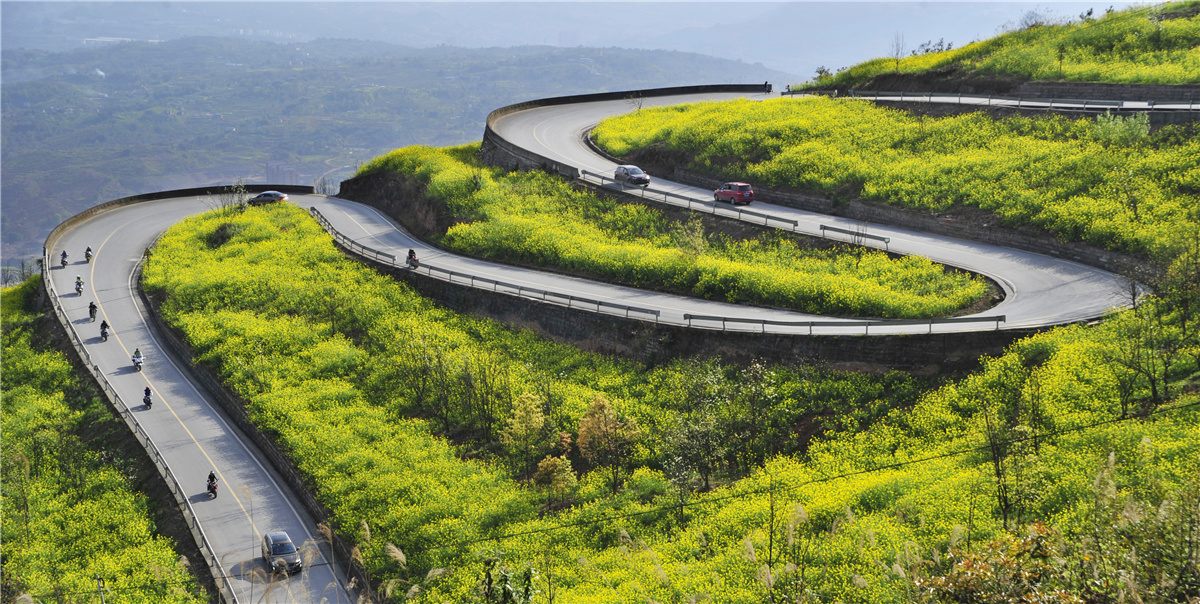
189 429
194 436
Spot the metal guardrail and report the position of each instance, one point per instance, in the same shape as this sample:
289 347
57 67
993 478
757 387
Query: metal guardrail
855 234
1087 105
866 325
475 281
573 301
228 594
715 209
691 203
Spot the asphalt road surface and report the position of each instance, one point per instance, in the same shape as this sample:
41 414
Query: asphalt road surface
187 427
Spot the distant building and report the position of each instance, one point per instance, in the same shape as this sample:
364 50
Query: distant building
279 173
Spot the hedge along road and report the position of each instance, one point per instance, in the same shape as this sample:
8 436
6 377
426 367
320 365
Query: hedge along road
189 429
1040 290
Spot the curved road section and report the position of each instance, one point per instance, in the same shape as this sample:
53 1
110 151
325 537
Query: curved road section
1040 290
191 433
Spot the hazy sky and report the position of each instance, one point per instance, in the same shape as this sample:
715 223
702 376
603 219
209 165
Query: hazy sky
794 37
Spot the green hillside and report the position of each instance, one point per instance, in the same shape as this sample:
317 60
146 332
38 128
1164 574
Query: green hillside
1077 447
540 220
70 513
1157 44
1109 182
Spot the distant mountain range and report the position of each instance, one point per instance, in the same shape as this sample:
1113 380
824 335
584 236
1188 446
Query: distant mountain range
101 122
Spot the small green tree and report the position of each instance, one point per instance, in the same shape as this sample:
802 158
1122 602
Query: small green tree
606 439
1122 132
695 446
689 237
555 476
527 434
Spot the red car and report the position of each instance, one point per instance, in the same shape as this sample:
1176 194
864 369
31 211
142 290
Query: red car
735 193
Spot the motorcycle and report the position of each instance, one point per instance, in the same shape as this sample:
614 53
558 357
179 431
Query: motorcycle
64 262
412 261
146 401
92 313
87 255
104 334
78 289
137 363
212 490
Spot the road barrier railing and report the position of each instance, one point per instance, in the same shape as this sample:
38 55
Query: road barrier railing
594 305
224 586
478 282
865 325
991 100
691 203
855 234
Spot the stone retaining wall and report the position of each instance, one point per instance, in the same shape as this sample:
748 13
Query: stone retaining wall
1107 92
652 343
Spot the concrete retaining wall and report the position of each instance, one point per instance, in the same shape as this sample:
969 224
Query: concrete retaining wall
651 343
497 151
1106 92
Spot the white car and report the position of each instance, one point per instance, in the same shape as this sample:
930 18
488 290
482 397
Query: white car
632 175
268 197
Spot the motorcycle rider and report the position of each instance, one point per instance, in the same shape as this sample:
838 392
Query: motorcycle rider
92 310
146 396
412 257
137 357
64 258
78 283
212 477
104 328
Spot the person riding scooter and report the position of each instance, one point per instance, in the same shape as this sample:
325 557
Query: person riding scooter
92 308
146 397
64 258
78 285
104 330
137 359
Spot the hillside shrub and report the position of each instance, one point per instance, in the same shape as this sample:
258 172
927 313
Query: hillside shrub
69 512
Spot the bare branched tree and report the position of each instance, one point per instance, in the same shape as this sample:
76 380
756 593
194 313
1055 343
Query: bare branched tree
896 49
229 200
325 186
19 273
636 101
